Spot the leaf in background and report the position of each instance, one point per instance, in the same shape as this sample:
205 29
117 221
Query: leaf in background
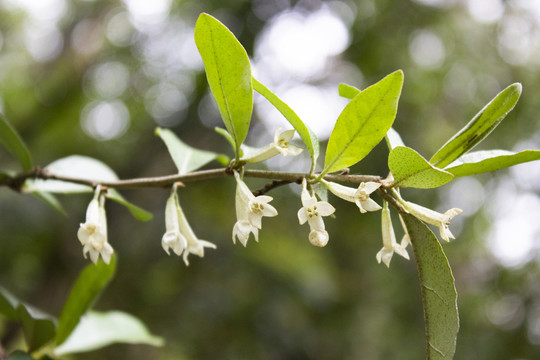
439 295
14 144
229 74
308 136
99 329
479 127
348 91
76 166
363 123
19 355
490 160
393 139
84 293
50 200
185 157
410 169
137 212
38 326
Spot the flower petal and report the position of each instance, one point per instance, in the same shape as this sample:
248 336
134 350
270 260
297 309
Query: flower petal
325 208
370 205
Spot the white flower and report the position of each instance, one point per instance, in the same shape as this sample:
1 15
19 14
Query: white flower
173 239
279 146
194 244
179 236
312 211
249 212
359 196
93 233
389 240
442 221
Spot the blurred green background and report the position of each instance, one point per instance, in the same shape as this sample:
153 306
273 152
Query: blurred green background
96 77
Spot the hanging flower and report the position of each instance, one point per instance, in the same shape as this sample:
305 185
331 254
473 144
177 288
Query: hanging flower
173 239
179 235
93 233
389 239
280 145
250 210
442 221
312 211
194 245
358 196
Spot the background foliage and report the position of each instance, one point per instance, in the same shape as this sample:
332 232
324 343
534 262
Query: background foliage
96 77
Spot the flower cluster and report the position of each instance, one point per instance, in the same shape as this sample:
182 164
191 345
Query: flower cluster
250 209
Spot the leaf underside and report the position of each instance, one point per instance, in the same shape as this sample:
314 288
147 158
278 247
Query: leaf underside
490 160
439 296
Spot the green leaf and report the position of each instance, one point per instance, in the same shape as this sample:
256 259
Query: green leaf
76 166
99 329
185 157
393 139
348 91
38 327
14 144
479 127
84 293
229 75
137 212
306 134
363 123
490 160
410 169
50 200
439 295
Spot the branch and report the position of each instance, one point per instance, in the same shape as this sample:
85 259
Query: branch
17 181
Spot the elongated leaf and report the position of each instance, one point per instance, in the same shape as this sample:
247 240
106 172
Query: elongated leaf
490 160
185 157
348 91
137 212
308 136
75 166
14 144
229 74
363 123
84 293
393 139
479 127
410 169
38 327
97 330
439 295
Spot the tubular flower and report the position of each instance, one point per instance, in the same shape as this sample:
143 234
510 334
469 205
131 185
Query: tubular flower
312 211
389 239
179 236
93 233
194 244
279 146
359 196
250 210
442 221
173 239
